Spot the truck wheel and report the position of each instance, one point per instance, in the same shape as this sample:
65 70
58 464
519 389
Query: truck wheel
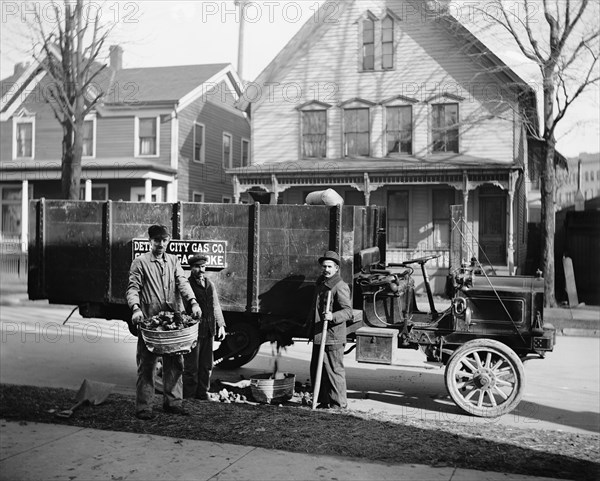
485 378
239 347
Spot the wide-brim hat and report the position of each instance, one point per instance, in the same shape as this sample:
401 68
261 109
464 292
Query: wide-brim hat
199 259
331 256
158 231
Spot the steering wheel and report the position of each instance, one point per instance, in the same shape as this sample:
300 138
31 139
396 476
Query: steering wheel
421 260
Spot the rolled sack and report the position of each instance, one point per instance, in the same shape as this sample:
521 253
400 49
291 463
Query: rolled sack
324 197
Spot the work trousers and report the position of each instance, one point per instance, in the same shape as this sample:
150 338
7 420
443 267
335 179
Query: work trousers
172 378
198 368
333 378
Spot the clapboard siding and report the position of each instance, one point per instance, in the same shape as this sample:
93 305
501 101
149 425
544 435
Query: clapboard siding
428 61
209 177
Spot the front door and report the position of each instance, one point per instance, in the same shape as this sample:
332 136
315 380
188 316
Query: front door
492 229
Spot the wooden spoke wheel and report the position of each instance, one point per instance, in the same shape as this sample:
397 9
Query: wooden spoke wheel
485 378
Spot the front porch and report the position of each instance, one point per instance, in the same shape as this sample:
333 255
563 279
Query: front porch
417 196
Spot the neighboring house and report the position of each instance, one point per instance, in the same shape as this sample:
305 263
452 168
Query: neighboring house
159 134
580 182
392 106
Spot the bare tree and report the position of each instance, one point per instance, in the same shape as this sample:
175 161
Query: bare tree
561 38
68 53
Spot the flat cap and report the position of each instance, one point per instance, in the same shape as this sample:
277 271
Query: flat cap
199 259
158 231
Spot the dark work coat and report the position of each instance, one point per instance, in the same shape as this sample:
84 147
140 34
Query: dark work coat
342 310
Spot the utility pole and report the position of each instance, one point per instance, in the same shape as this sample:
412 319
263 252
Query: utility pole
240 62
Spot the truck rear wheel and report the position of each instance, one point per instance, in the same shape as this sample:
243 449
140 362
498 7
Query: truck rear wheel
485 378
239 347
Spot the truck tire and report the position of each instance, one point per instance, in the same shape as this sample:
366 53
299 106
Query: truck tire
239 347
485 378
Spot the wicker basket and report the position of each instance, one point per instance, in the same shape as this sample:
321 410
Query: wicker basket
180 341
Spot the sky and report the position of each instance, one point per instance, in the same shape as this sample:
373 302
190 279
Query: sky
161 33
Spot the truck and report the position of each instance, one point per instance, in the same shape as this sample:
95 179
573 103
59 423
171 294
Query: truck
263 263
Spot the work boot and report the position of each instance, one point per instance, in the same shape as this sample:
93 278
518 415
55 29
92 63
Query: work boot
145 415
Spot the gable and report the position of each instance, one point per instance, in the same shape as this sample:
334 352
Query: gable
431 58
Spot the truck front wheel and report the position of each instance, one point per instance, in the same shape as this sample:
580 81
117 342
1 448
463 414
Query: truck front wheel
485 378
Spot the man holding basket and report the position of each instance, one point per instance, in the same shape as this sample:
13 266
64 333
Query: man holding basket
157 283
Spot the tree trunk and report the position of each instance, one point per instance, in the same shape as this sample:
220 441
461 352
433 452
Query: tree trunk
71 162
547 188
549 221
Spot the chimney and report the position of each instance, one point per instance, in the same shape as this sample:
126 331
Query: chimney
116 57
20 68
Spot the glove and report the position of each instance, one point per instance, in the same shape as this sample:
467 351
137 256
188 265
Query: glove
220 333
196 311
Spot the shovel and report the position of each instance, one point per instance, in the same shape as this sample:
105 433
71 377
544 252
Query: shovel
93 392
319 373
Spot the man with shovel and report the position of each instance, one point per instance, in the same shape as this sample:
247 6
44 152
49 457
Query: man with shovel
327 373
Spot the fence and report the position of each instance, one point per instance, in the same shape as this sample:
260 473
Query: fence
13 261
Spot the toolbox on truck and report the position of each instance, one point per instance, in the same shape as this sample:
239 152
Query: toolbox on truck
376 345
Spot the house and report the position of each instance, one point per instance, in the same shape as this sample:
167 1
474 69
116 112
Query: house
581 179
391 103
159 134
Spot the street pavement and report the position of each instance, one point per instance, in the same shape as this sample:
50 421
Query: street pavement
32 451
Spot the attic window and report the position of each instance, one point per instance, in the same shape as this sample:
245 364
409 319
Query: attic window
387 43
368 44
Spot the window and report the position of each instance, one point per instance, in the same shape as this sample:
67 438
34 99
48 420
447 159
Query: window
442 199
198 142
226 151
587 177
24 142
445 128
387 43
356 132
398 219
88 138
245 153
399 130
99 192
197 196
138 194
147 136
314 134
368 44
226 199
10 212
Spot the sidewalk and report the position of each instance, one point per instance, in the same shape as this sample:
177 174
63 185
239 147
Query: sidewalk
32 451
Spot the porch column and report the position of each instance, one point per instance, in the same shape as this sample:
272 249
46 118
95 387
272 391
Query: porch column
236 189
24 215
88 189
275 185
172 191
148 191
511 246
367 189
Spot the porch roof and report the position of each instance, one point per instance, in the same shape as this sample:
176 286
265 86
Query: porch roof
438 162
123 168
